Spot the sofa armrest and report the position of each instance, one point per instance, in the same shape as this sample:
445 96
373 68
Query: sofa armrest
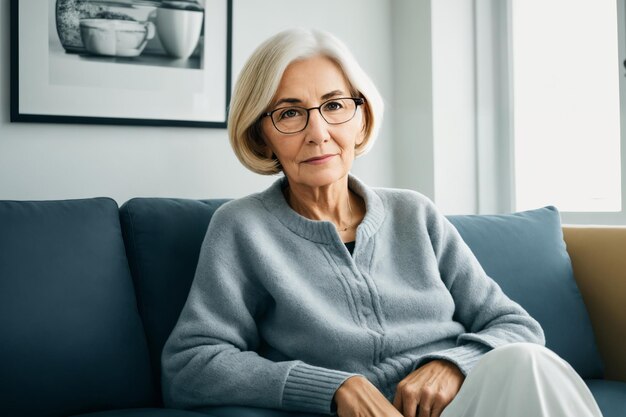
598 255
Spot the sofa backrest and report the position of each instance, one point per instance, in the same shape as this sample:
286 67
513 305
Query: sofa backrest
71 337
163 238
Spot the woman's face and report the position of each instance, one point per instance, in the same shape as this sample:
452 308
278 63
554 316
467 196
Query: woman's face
322 153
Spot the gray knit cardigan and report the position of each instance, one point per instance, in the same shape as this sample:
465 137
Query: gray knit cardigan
280 313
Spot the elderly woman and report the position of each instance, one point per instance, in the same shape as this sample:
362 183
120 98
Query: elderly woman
323 295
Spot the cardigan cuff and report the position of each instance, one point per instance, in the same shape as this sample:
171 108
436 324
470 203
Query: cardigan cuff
311 388
465 356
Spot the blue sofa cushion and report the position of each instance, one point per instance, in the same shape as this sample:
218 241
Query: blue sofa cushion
526 255
239 411
610 396
72 340
163 238
147 412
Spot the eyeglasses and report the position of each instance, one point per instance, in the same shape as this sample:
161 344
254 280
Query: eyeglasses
294 119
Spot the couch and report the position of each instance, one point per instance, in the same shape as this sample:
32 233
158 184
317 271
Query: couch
89 292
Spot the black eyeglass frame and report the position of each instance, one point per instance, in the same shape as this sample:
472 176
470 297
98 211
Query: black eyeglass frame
358 101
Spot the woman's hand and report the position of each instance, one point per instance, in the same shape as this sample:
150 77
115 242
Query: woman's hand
429 388
357 397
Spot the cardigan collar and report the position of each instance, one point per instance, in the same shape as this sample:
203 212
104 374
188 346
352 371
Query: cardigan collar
322 231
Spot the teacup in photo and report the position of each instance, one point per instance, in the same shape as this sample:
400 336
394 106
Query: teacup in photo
112 37
179 30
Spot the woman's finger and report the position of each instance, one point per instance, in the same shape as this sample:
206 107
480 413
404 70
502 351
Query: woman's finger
397 401
436 411
410 402
424 410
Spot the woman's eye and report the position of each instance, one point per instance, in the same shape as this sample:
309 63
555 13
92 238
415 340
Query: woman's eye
290 113
333 105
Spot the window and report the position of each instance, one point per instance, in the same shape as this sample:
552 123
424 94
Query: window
565 96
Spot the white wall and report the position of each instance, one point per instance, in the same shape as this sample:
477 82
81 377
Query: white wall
435 96
58 161
412 110
454 113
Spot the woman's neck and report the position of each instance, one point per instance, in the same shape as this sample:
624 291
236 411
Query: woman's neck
334 203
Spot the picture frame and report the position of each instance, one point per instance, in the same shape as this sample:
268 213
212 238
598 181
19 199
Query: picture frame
122 62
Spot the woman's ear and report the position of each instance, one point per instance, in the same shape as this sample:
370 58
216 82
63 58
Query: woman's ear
364 128
262 144
361 137
267 149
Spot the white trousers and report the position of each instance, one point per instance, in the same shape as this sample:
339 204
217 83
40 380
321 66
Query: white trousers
523 380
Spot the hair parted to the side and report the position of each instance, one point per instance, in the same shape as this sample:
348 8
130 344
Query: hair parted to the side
259 80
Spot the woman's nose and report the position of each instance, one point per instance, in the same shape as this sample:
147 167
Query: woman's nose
317 129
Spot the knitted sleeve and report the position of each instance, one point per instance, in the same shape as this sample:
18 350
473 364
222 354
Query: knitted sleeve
490 318
210 358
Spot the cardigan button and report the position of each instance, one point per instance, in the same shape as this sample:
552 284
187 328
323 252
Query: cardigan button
367 311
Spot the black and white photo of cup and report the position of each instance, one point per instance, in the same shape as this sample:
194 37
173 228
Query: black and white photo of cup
115 37
179 24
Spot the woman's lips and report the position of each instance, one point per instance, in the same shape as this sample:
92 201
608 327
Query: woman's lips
319 159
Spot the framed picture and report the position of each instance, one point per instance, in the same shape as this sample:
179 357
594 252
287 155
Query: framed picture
132 62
